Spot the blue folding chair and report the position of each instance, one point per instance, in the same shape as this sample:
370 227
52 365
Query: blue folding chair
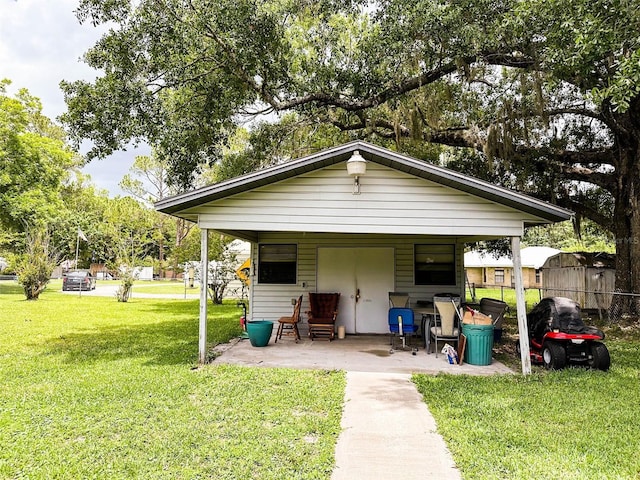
401 325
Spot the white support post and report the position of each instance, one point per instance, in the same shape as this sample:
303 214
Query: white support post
521 308
204 285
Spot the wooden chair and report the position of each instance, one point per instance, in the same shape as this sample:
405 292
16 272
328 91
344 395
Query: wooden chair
323 314
290 323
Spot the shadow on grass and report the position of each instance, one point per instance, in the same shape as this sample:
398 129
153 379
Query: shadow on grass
10 287
168 335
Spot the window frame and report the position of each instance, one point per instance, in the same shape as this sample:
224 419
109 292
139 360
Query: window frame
446 275
268 271
495 275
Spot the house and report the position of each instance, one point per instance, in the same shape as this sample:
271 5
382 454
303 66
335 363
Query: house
484 269
588 278
317 224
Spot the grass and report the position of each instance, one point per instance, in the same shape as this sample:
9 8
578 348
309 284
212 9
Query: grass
573 424
93 388
162 286
508 295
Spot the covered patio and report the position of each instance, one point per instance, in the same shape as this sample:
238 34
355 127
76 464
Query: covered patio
355 353
361 221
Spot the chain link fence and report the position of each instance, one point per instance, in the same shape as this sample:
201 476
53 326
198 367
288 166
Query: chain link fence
615 306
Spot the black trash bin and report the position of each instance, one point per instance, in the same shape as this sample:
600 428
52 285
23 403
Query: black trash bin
496 310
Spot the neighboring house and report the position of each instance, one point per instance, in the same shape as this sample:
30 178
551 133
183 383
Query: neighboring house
588 278
314 227
483 269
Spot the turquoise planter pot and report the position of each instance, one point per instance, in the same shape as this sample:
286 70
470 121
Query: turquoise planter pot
259 332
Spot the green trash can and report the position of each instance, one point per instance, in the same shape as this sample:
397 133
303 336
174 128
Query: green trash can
479 343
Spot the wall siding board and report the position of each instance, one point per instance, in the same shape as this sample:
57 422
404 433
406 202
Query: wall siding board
390 202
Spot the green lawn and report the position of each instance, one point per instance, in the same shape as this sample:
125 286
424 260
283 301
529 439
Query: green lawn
164 286
570 424
508 295
93 388
573 424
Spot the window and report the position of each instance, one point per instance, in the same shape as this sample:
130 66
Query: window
277 263
435 264
499 276
538 276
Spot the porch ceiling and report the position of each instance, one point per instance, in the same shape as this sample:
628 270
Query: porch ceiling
254 236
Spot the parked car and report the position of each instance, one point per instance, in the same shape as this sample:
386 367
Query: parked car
78 280
558 336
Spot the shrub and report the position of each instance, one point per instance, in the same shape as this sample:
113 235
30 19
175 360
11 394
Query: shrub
35 266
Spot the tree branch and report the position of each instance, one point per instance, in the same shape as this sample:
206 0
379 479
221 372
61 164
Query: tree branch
584 112
586 211
350 105
508 60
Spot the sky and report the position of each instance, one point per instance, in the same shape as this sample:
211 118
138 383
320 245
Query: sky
41 43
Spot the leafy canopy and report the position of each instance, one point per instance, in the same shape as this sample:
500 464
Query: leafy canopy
35 162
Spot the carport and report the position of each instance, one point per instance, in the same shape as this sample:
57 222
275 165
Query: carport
395 223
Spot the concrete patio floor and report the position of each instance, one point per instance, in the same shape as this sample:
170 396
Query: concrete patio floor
356 353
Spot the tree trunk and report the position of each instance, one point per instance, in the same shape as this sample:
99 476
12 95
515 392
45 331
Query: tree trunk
627 231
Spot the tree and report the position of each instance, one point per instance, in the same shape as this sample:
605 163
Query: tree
34 267
221 273
127 231
148 182
562 236
35 162
543 95
38 223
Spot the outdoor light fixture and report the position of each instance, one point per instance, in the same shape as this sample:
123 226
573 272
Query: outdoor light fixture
356 167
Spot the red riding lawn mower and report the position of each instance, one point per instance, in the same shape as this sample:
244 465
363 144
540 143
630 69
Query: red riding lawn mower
558 336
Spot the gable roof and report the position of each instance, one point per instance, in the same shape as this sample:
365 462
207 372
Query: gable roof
372 153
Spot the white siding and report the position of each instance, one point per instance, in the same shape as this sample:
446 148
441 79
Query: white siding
391 202
273 301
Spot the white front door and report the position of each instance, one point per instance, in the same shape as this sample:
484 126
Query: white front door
363 276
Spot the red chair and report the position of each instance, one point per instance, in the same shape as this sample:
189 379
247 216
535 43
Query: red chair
323 314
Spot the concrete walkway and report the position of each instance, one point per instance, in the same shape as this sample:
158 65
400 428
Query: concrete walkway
388 432
387 429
